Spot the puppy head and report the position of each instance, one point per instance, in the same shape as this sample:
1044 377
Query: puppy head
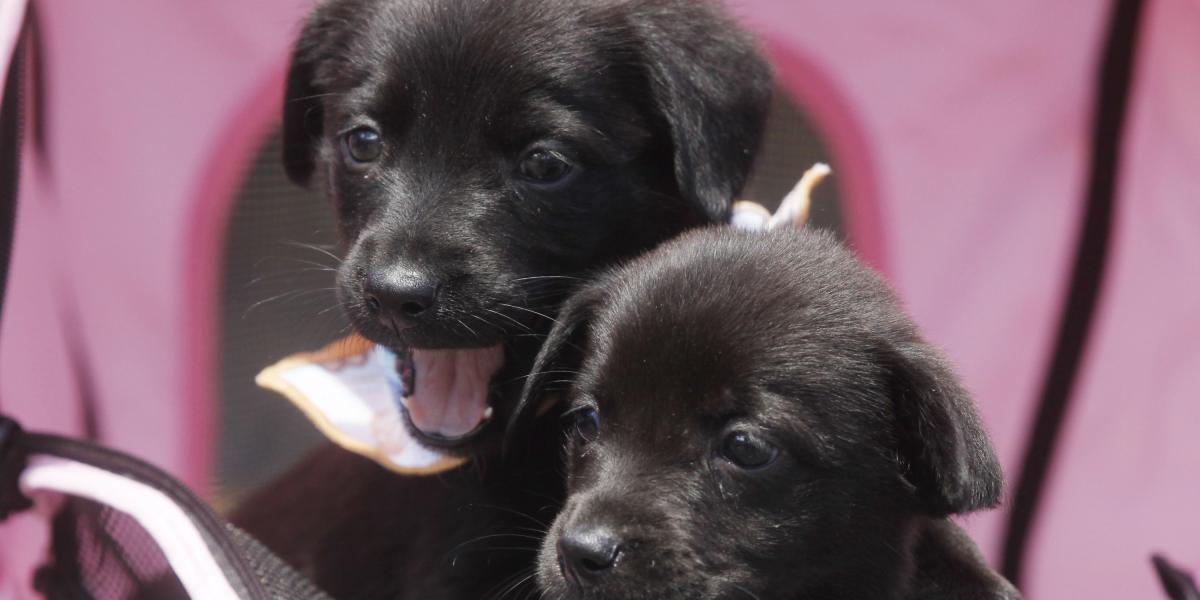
482 153
752 416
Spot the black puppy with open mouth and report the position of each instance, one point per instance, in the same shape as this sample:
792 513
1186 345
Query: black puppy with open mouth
753 416
484 157
480 154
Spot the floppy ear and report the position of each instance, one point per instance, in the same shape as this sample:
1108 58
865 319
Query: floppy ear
303 118
713 89
560 346
945 451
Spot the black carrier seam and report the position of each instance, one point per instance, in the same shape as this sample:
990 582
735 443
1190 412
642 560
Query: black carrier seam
1116 70
12 136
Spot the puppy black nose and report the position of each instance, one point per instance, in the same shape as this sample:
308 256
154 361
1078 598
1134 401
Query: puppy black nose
586 554
399 296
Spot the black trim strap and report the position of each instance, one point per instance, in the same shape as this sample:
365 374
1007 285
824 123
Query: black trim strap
12 118
1087 279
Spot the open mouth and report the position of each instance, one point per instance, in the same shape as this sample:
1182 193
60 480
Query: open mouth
445 394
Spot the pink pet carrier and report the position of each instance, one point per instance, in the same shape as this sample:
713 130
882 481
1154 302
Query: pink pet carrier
1025 173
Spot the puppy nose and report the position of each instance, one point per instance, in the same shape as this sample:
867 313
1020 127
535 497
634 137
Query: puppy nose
585 554
399 296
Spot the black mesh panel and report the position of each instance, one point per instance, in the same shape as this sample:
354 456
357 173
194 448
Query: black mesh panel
277 300
100 553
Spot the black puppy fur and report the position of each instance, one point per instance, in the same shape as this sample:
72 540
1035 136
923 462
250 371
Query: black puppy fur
654 106
419 118
755 417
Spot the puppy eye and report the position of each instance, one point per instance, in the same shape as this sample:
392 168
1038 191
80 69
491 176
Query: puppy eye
362 145
545 167
747 452
587 424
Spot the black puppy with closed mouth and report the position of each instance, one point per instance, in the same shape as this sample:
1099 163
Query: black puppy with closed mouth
755 417
483 157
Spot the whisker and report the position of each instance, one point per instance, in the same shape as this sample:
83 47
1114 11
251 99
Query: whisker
289 295
468 327
316 96
547 372
260 262
512 511
520 578
541 533
544 277
315 248
487 322
284 276
503 548
493 536
518 323
745 591
329 309
516 586
530 310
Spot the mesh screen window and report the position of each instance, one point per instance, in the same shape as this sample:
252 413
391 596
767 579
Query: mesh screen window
277 299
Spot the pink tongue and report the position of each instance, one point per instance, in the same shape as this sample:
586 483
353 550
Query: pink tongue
451 389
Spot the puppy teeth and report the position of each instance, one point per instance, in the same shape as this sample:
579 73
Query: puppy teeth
487 414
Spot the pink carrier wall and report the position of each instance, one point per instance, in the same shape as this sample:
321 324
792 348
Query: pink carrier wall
961 134
153 110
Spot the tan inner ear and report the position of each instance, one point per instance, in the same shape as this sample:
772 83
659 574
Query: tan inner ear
794 210
797 205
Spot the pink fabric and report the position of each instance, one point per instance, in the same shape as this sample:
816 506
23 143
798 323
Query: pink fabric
32 348
153 109
960 133
1127 480
12 14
